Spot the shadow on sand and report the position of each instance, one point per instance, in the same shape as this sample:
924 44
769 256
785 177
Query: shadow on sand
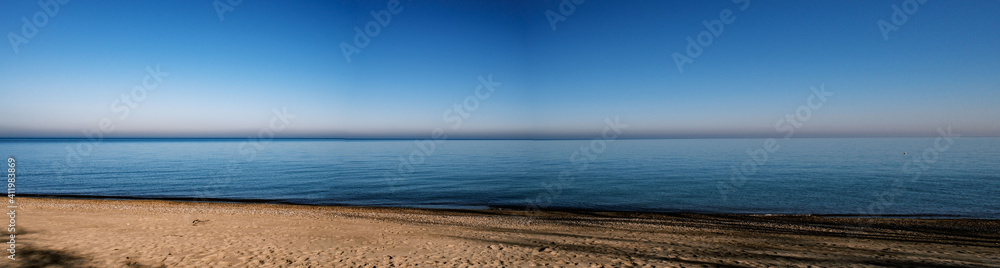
31 257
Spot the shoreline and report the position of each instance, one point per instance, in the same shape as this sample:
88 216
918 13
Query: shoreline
154 233
493 208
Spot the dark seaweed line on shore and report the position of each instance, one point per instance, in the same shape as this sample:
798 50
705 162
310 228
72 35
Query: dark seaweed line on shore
552 209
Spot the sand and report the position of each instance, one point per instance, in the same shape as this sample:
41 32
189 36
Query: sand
142 233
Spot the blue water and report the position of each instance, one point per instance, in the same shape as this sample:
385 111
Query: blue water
856 176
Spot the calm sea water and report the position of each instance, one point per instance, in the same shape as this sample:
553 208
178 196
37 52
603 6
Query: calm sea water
803 176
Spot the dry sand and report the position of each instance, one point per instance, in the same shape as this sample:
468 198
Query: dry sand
110 233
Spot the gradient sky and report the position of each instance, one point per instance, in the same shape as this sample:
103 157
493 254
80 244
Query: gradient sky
608 59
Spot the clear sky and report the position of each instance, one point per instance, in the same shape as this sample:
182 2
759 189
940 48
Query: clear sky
226 75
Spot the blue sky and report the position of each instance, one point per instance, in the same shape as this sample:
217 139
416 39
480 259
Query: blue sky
607 59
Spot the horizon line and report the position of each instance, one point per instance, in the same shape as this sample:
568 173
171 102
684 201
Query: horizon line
414 139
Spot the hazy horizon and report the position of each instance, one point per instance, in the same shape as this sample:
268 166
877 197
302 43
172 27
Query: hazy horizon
509 137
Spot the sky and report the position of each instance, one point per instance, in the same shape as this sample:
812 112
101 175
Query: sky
557 69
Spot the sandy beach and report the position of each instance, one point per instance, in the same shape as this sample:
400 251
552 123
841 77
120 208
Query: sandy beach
143 233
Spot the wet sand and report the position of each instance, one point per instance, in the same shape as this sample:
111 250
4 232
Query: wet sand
146 233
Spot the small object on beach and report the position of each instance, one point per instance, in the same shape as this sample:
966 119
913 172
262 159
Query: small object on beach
197 221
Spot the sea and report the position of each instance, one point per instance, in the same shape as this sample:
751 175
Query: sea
946 177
